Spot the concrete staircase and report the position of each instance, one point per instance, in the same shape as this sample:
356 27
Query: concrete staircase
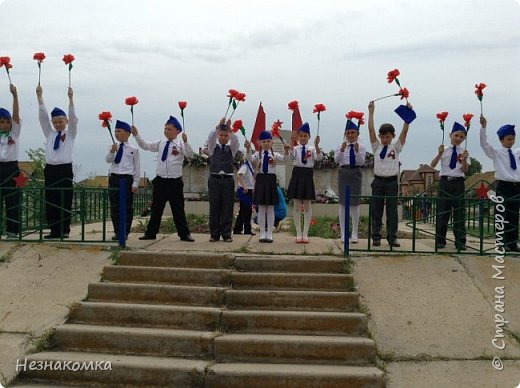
205 320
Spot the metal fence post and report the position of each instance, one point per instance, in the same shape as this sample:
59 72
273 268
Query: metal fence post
122 212
346 245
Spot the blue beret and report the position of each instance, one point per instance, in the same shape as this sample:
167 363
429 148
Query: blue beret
305 128
122 125
265 135
407 114
4 114
173 121
458 127
505 130
56 112
351 125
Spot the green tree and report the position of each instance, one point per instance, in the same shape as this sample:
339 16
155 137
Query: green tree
37 158
474 168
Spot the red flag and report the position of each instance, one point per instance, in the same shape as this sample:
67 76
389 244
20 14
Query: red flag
296 123
259 126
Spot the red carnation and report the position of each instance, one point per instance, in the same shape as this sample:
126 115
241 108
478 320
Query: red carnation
392 75
5 61
131 100
442 116
68 59
39 57
240 97
182 104
293 105
236 126
404 93
478 90
319 108
106 117
467 119
232 93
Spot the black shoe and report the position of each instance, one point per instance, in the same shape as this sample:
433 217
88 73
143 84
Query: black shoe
461 247
263 240
188 238
513 248
145 237
213 239
50 236
376 243
115 238
227 239
250 233
268 240
238 232
440 245
394 244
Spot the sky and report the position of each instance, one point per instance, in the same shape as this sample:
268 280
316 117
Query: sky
330 51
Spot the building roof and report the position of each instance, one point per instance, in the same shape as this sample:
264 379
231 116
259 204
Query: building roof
472 181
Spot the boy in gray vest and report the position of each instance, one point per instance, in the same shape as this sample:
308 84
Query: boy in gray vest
222 146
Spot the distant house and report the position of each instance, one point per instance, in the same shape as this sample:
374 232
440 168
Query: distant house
414 182
27 167
102 181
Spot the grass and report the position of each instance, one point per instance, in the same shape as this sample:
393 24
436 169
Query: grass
196 224
4 259
43 342
114 255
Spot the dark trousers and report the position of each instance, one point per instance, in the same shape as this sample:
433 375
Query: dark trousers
243 222
451 203
114 182
381 188
511 193
221 200
168 190
10 195
58 202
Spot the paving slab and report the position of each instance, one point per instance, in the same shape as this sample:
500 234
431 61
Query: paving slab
12 347
453 374
427 305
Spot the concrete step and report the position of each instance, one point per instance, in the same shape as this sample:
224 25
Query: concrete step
295 349
294 322
231 375
295 264
289 281
176 259
142 315
292 300
134 341
125 370
181 276
156 294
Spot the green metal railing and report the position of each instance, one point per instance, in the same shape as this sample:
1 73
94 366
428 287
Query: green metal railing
90 209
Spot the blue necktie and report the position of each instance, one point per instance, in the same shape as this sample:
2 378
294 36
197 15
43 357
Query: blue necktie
352 156
512 160
57 141
223 147
165 151
119 154
265 162
383 152
453 160
304 161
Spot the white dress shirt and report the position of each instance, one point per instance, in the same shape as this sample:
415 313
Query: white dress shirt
389 166
257 160
64 153
311 153
129 165
446 170
500 156
343 157
177 150
9 152
246 173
